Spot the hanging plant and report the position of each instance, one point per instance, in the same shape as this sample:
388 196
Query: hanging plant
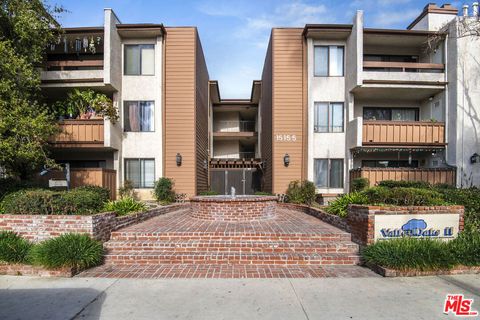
87 104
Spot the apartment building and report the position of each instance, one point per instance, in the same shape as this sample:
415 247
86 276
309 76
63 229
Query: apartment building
348 101
158 81
335 102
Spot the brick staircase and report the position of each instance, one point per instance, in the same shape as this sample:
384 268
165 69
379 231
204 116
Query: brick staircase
290 239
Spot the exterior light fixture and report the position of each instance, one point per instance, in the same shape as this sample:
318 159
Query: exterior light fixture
475 158
286 160
179 159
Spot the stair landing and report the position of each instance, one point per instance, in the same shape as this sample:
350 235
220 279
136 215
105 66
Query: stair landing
176 245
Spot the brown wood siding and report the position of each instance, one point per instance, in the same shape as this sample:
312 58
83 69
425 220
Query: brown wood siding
431 175
179 119
266 120
201 118
403 133
80 133
288 107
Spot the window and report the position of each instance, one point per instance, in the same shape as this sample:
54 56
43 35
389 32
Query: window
328 117
391 114
138 116
141 172
139 59
328 61
328 173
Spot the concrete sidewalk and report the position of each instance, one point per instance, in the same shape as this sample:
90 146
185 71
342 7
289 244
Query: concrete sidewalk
321 298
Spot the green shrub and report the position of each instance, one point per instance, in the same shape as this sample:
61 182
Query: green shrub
410 253
103 192
466 248
263 193
470 198
125 206
339 206
209 193
301 192
404 196
164 190
360 184
9 185
127 191
404 184
77 251
46 202
13 248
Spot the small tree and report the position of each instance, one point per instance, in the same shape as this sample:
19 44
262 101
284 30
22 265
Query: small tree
301 192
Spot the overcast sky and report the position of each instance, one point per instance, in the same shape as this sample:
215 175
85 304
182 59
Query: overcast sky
234 33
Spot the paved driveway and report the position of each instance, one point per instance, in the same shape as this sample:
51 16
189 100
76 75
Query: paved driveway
320 298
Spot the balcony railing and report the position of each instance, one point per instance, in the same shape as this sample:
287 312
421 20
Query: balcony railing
234 126
64 65
80 134
246 155
431 175
403 133
403 66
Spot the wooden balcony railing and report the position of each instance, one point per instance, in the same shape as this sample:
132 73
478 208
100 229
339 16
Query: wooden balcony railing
403 133
403 66
73 64
80 134
431 175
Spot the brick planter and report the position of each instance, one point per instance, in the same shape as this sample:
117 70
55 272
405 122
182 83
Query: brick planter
99 226
240 208
361 219
28 270
386 272
334 220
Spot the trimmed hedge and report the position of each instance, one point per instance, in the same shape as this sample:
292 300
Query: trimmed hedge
77 251
470 199
81 201
360 184
164 190
399 196
404 184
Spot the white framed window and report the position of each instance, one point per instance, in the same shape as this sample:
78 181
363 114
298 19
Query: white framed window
138 116
328 117
329 61
139 59
328 173
141 172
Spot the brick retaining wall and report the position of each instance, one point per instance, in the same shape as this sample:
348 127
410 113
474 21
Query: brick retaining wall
334 220
99 226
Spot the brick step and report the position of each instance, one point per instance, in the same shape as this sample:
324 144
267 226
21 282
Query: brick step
118 246
230 236
292 258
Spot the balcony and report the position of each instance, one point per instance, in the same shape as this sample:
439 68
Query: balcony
376 72
395 133
73 71
240 129
430 175
80 134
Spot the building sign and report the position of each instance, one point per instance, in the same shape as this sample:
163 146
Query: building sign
435 226
286 137
57 183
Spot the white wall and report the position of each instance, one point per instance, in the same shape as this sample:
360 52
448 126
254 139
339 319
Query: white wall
226 149
324 89
144 88
226 121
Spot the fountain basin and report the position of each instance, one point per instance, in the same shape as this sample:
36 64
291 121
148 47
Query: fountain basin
239 208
